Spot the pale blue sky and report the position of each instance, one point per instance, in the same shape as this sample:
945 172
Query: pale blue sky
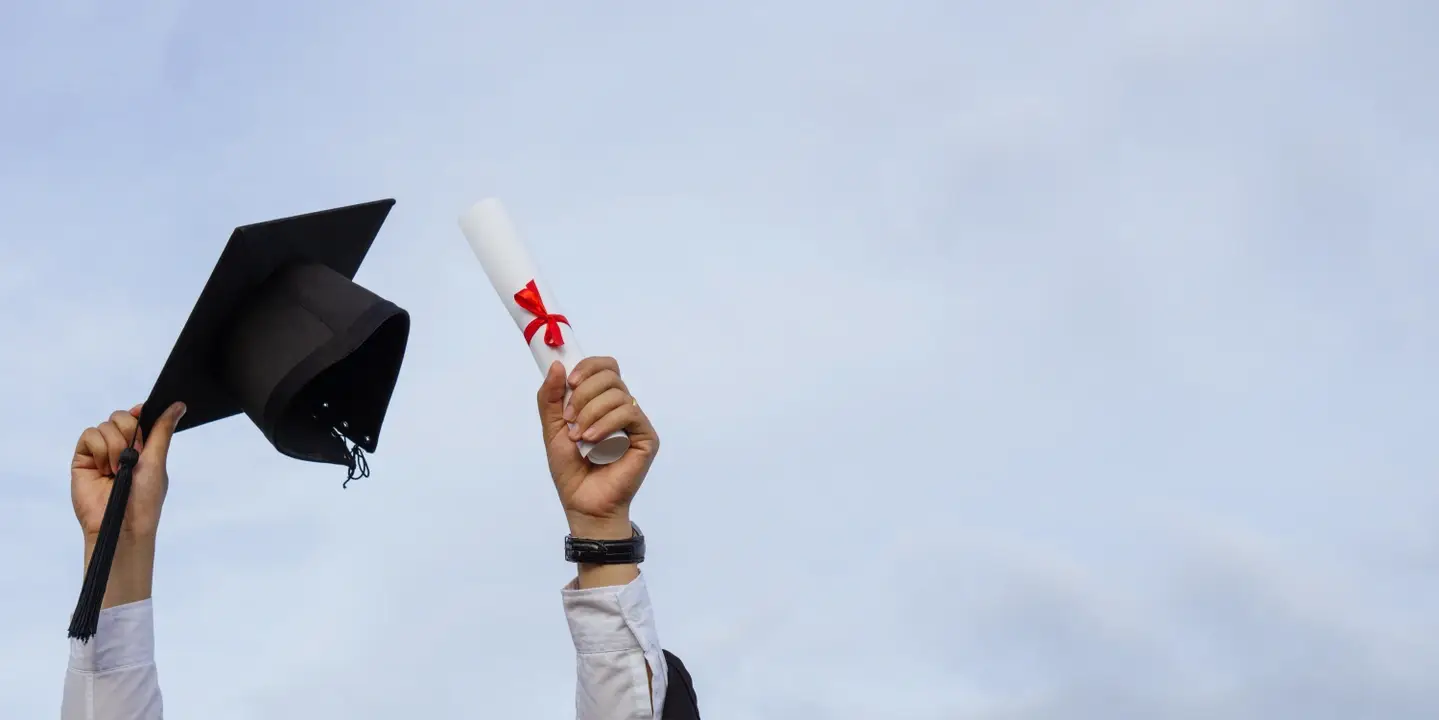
1078 355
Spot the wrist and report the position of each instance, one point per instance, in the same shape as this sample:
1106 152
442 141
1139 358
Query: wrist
616 527
127 538
132 571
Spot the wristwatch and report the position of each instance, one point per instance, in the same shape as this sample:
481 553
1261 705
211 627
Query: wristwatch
606 552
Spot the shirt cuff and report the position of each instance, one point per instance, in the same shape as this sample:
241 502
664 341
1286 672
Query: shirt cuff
125 636
610 619
615 619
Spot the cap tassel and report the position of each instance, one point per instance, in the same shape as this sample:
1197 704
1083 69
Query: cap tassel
86 619
354 458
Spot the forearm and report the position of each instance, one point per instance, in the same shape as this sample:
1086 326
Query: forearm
133 571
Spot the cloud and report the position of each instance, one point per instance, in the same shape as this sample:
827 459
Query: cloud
1059 360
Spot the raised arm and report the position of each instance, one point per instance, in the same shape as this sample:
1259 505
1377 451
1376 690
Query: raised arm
112 675
621 669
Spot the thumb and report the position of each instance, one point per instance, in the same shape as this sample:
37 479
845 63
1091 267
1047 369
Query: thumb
157 444
551 399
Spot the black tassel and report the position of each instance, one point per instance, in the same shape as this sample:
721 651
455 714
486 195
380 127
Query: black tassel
87 611
355 460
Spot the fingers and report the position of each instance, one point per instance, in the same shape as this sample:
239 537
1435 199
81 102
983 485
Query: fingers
601 403
99 447
551 401
127 424
597 408
628 417
135 413
593 386
157 446
590 366
92 452
115 443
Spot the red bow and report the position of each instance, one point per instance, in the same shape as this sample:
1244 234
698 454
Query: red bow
529 299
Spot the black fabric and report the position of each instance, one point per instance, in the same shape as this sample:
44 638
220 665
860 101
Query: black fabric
680 700
283 334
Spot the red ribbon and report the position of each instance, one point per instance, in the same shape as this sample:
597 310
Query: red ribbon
529 299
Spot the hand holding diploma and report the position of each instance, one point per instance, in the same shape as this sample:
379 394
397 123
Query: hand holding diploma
532 305
596 498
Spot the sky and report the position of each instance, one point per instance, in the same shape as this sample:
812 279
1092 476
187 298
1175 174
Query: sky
1013 361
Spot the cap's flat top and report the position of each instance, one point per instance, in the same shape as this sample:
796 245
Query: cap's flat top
339 238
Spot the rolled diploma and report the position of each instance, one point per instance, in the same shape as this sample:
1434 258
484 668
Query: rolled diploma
507 263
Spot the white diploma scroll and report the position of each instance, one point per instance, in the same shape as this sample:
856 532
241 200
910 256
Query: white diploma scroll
532 304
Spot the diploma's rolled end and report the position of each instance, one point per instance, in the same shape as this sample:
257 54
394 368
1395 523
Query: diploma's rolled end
485 225
609 449
488 209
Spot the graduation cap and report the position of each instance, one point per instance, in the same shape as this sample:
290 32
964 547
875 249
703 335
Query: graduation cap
283 334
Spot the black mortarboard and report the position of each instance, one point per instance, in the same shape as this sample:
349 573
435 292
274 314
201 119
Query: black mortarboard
282 334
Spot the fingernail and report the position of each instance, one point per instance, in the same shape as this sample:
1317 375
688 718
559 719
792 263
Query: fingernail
591 435
574 432
183 409
569 413
573 380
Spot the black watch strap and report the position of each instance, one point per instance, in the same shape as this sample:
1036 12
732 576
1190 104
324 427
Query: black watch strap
606 552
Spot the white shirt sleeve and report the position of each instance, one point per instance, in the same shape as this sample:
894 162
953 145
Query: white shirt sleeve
113 677
614 633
